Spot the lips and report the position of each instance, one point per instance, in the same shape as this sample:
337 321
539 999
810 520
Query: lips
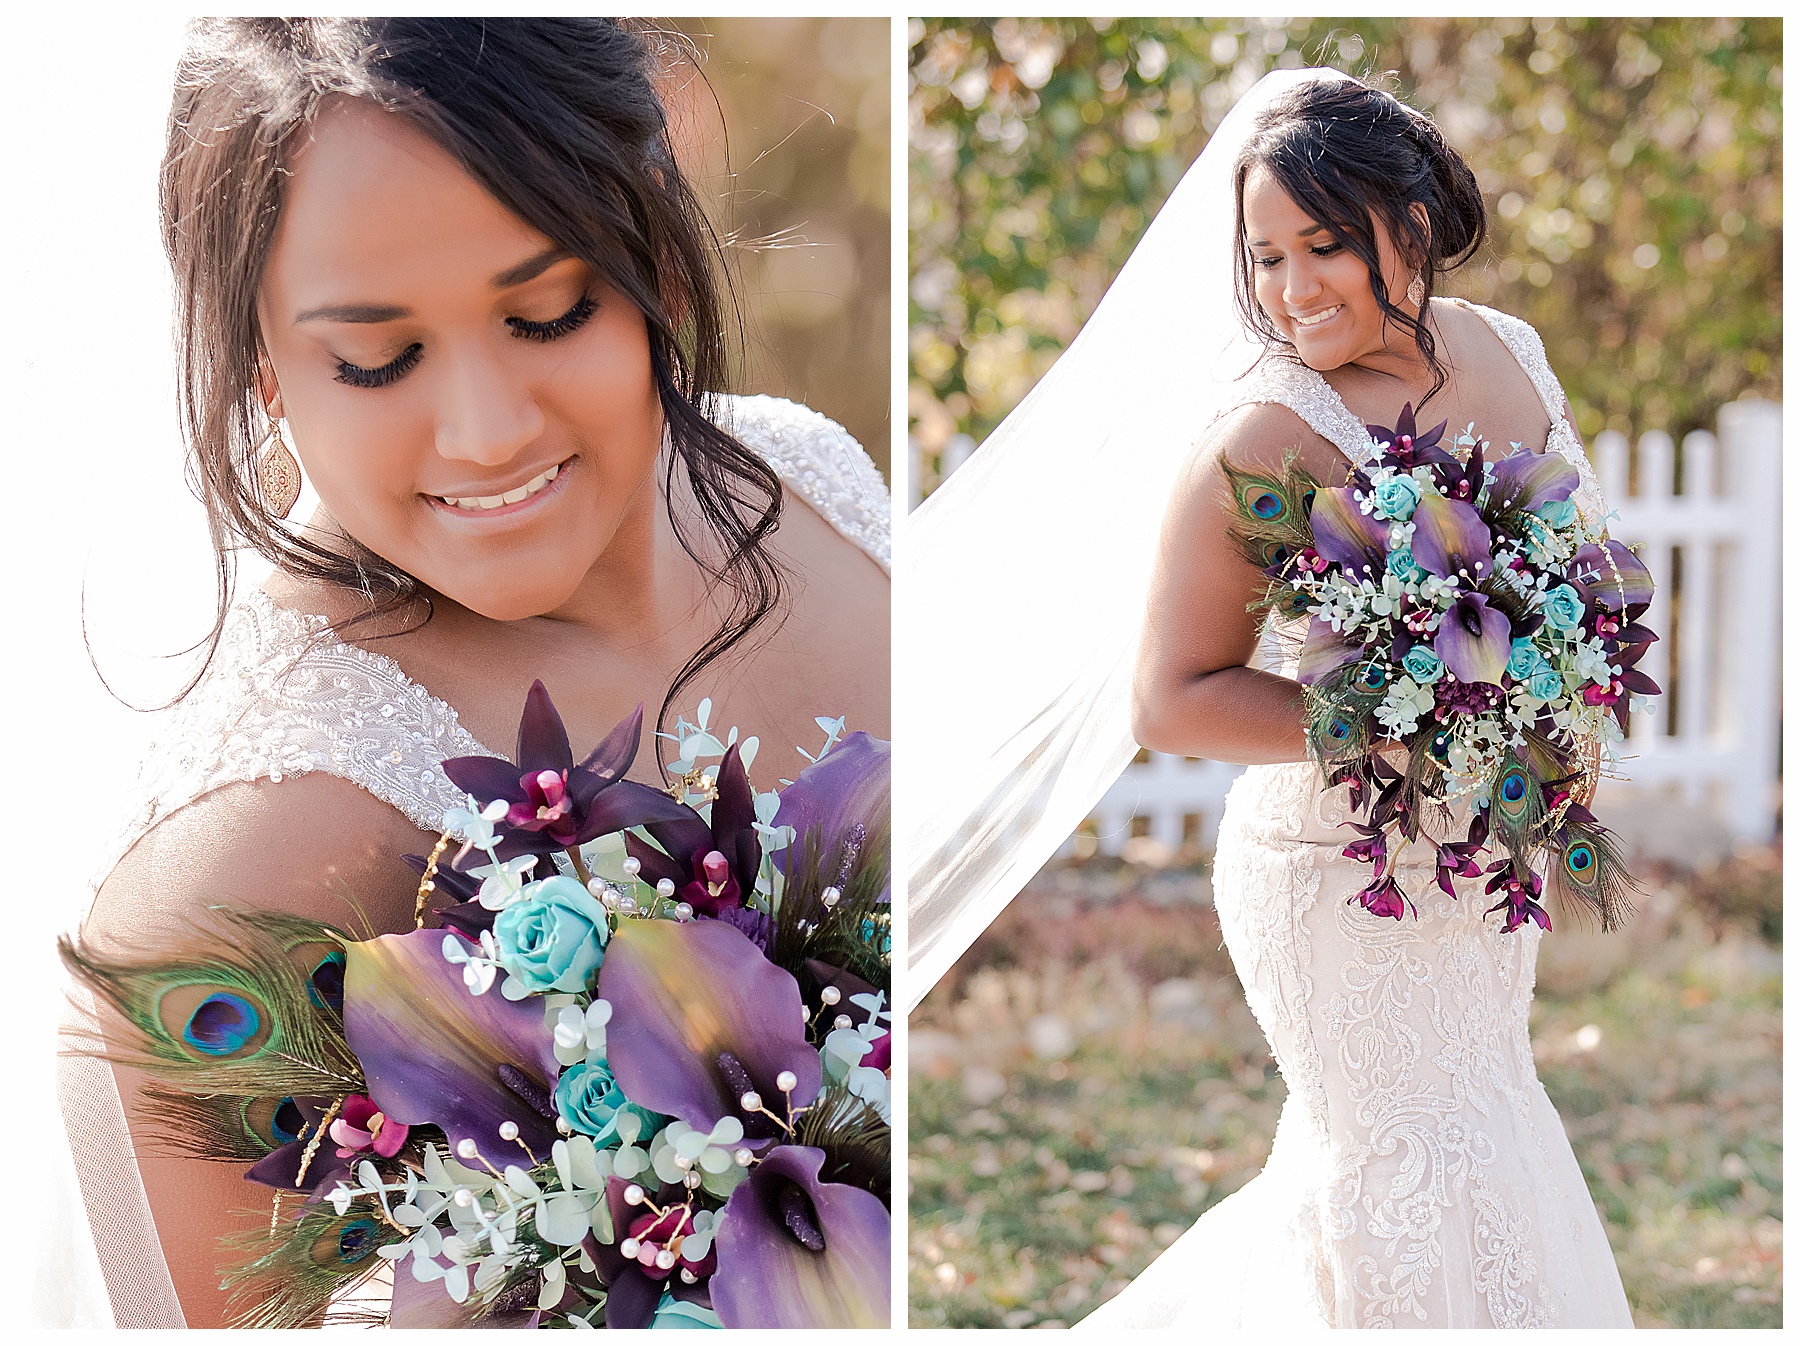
1314 319
476 504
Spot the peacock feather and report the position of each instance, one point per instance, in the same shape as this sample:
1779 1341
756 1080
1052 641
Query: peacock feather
248 1008
287 1273
1340 710
1587 871
228 1128
1272 515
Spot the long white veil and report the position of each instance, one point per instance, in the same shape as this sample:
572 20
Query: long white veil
1022 584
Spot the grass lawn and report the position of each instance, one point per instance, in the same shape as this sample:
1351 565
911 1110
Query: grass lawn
1088 1080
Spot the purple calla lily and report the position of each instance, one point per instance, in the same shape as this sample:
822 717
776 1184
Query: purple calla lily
797 1252
1450 537
1529 481
1325 651
554 804
713 865
1610 576
1344 534
701 1018
434 1054
843 798
1474 640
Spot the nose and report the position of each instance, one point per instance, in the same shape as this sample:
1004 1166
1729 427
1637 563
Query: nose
488 414
1299 284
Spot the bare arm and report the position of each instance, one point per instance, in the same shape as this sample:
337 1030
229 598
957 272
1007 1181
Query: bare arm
1194 692
299 847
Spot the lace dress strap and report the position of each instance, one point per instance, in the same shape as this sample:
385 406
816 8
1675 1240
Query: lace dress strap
822 463
1303 391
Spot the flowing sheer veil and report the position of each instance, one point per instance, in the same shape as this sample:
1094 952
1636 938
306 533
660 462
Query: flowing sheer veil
1023 580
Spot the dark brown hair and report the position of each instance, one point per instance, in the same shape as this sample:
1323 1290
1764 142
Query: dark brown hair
559 119
1347 153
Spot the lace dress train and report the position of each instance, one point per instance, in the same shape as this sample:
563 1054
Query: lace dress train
1419 1175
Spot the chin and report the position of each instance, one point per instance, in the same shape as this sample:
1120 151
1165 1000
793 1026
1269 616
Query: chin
514 602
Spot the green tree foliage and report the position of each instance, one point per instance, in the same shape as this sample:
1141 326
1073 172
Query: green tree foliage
1632 169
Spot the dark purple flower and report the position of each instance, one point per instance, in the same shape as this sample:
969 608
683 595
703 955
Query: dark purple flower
795 1252
634 1282
1610 576
1406 447
713 865
1529 480
1457 859
1344 534
701 1018
1474 640
1383 898
1450 538
1518 897
436 1055
1465 698
553 804
1371 849
842 799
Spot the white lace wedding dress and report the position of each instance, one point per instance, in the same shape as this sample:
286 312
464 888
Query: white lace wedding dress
1419 1175
278 703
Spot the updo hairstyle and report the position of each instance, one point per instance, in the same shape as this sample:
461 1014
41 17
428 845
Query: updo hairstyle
1347 153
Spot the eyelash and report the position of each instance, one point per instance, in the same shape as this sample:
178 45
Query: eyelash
523 328
1322 250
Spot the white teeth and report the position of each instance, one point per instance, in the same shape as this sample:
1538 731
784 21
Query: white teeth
1318 318
512 497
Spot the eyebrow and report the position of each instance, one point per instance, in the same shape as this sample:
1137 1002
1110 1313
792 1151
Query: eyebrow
1304 233
529 269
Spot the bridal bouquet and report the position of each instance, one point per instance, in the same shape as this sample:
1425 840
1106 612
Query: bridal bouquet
1464 609
638 1077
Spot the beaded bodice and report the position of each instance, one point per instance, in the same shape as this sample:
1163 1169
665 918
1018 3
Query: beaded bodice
284 698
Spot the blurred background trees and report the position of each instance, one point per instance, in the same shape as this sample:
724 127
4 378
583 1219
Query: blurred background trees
782 125
1632 168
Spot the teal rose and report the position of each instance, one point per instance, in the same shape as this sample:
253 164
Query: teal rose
1422 664
1557 513
1401 566
589 1099
1397 497
552 939
673 1312
1563 609
1545 685
1524 660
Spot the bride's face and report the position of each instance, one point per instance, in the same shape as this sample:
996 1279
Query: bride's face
471 404
1314 289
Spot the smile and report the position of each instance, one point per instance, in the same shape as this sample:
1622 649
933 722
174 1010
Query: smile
480 504
1314 319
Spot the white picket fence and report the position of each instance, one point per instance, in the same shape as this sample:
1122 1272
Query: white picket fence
1708 524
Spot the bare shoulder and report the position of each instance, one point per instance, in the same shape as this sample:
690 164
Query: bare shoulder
1262 437
316 845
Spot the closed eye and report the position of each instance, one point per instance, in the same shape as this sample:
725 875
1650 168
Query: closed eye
573 320
358 377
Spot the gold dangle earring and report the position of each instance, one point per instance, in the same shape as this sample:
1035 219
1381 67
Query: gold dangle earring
278 473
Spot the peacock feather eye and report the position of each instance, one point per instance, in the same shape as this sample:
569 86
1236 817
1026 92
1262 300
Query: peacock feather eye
1440 745
1338 729
1372 678
1513 792
273 1121
222 1025
1267 506
287 1123
325 985
349 1245
1580 860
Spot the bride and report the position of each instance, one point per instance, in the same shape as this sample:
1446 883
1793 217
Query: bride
1419 1174
448 270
